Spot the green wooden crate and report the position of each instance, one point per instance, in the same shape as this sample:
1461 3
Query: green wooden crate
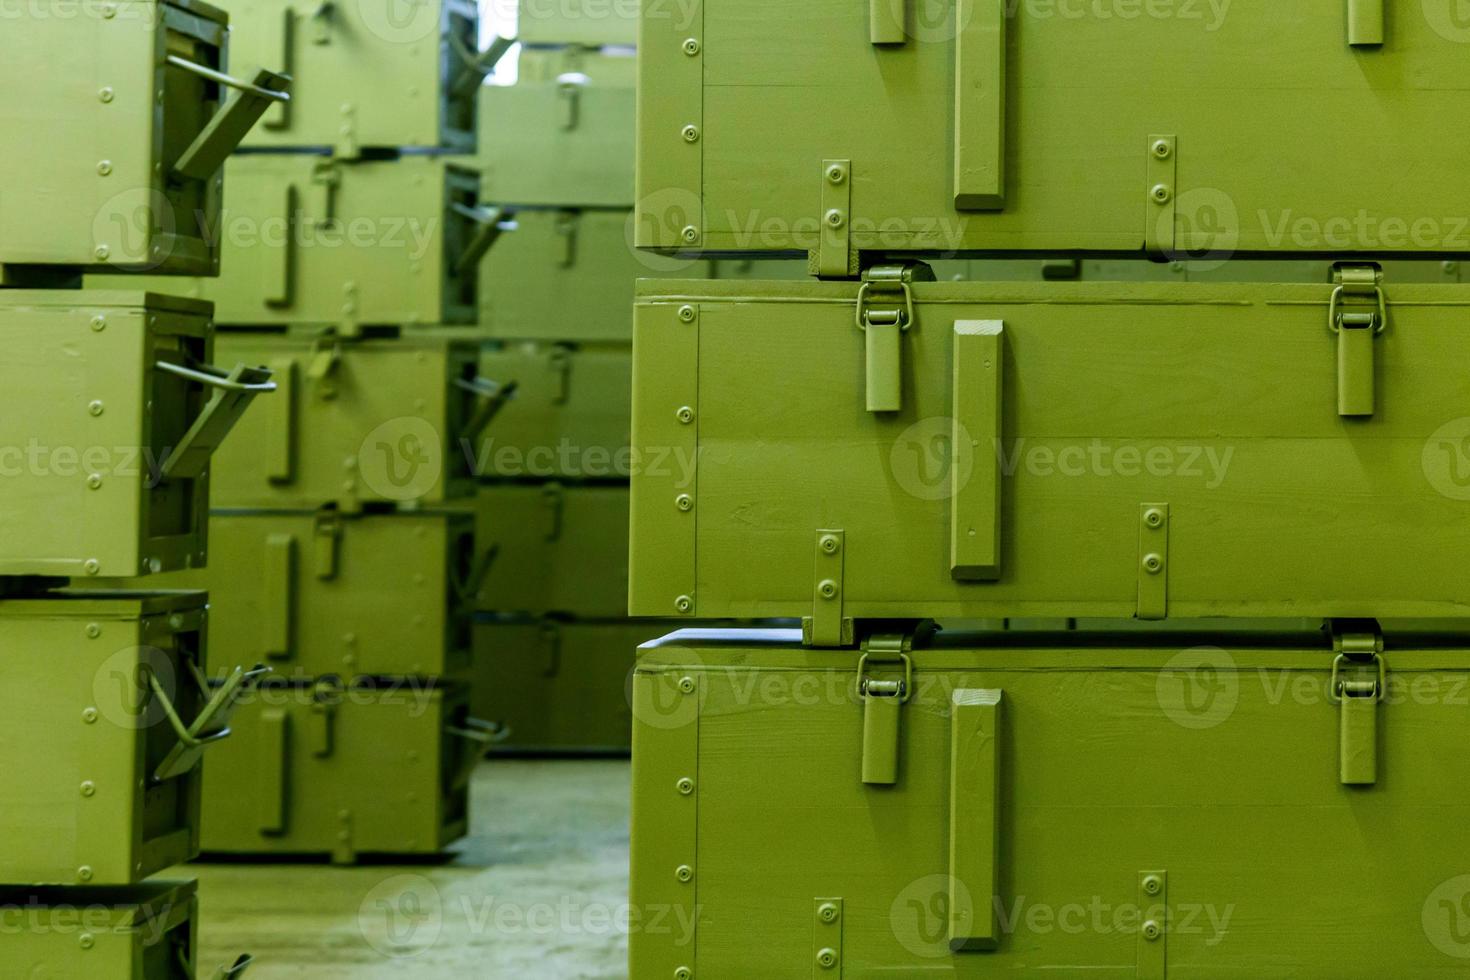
569 417
309 240
590 23
143 932
377 421
126 98
365 75
95 793
559 549
566 275
558 687
563 143
747 108
617 67
109 415
327 769
311 594
1155 450
1115 807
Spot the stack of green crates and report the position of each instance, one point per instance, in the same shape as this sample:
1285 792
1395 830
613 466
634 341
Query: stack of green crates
111 411
350 242
553 642
1190 418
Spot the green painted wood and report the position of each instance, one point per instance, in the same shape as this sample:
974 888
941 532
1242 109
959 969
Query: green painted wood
1221 770
1272 162
391 606
363 75
84 735
391 779
531 156
141 932
1218 400
103 194
382 426
80 452
558 549
592 23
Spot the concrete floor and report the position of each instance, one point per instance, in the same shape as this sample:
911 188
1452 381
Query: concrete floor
538 890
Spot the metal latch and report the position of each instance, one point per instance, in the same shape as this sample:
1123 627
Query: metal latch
1357 314
552 503
885 312
327 694
326 181
569 91
321 370
1359 683
326 535
883 701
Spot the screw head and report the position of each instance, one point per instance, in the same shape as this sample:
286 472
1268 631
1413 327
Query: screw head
1162 149
684 873
1153 885
827 913
685 786
102 252
685 414
686 684
104 167
89 716
89 788
691 234
86 941
1154 518
84 873
827 958
691 46
92 566
687 314
684 502
1153 564
836 173
684 604
1152 931
836 219
94 630
1161 193
99 323
683 973
691 134
105 94
827 588
830 544
95 408
95 481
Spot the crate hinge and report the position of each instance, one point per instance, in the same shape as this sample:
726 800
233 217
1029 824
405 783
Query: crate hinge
1359 683
1153 562
827 626
834 257
1357 314
1161 190
1153 926
885 312
326 540
827 940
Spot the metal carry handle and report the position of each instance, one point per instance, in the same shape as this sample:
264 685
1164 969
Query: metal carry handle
212 723
489 220
234 391
476 64
469 587
477 730
229 81
494 396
